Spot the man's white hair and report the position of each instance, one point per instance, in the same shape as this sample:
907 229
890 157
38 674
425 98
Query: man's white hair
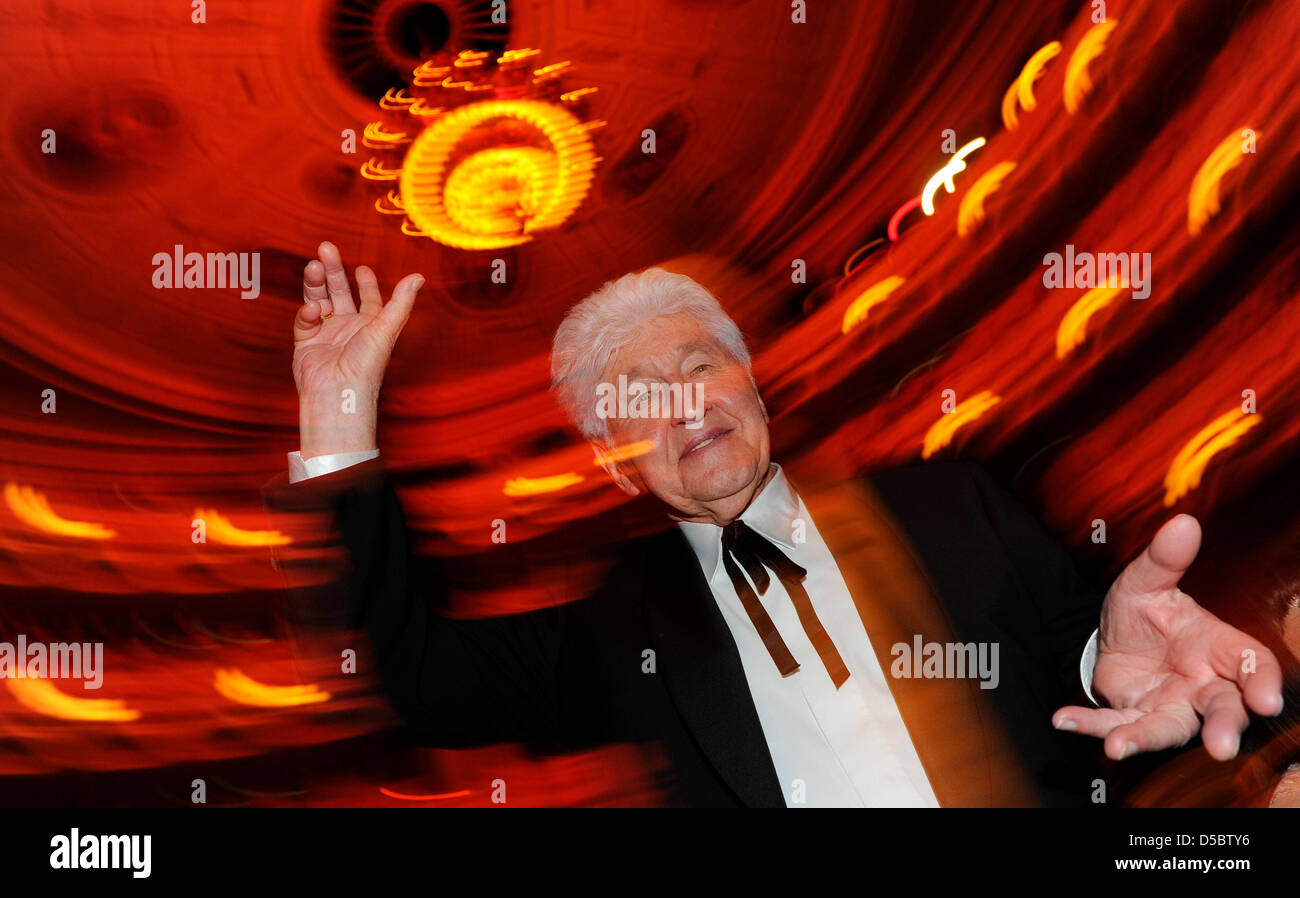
611 317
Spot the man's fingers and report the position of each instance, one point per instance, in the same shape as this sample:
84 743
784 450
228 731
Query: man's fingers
336 279
306 324
313 286
368 287
392 318
1091 721
1163 563
1128 731
1225 719
1249 664
1155 730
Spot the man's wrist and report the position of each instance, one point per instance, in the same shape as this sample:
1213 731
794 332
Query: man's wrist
333 431
349 447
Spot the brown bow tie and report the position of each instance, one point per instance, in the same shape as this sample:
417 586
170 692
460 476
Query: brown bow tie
756 554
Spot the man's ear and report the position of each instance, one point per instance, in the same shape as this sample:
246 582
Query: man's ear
759 396
613 470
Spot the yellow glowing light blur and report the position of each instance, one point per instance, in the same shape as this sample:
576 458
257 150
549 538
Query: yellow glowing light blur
246 691
1078 83
220 530
517 54
624 452
33 509
944 175
1032 71
426 74
395 100
503 195
1009 99
1021 90
492 190
577 94
41 696
873 296
390 204
553 69
1203 199
470 59
1074 325
377 138
533 486
971 211
423 110
374 170
941 432
1189 464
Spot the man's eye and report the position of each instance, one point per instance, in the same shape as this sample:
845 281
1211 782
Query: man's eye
704 366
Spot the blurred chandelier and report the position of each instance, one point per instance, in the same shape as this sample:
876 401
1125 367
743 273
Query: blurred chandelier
481 154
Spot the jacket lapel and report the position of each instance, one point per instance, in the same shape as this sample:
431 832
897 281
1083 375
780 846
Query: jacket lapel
698 659
966 757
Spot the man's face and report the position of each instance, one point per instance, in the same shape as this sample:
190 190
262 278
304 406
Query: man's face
707 467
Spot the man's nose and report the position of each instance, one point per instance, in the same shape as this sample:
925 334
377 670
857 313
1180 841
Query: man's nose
693 406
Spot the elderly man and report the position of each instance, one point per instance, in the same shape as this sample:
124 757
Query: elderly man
783 646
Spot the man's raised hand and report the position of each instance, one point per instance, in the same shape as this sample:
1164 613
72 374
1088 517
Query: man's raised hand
339 347
1166 664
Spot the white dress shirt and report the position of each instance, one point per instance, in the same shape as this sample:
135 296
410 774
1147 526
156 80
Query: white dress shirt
831 748
303 468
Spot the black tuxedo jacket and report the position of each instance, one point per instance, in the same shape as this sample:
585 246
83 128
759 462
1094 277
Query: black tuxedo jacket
936 551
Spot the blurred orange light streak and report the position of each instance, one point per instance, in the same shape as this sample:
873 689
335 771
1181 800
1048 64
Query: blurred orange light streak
1032 71
873 296
552 68
1078 83
395 99
426 74
971 211
1022 89
532 486
1203 198
1189 464
376 137
470 59
239 688
390 204
942 431
623 453
1009 117
1074 325
421 108
220 530
41 696
374 170
33 509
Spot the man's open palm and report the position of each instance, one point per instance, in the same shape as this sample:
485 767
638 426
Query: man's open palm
1165 663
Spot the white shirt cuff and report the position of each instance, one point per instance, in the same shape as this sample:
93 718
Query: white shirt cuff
1088 664
304 468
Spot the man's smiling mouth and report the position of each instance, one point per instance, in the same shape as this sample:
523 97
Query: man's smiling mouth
704 440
